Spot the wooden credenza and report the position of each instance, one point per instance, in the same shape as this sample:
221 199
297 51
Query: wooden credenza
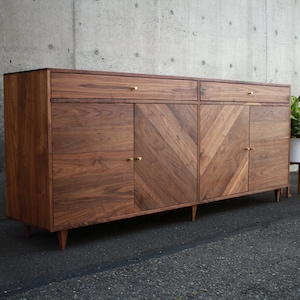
86 147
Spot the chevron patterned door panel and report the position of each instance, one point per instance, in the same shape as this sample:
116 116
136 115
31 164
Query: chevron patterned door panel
166 141
224 135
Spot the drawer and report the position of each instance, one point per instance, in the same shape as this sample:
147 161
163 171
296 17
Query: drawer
241 92
70 85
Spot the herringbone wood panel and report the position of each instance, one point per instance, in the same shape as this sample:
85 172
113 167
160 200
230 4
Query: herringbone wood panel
166 138
224 132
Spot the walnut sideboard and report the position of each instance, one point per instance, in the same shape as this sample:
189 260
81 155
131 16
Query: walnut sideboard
87 147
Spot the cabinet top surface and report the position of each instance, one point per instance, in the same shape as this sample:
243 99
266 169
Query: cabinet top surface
107 73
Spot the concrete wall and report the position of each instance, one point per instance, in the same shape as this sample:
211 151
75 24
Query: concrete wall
253 40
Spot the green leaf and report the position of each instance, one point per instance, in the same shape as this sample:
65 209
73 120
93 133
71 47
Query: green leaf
295 116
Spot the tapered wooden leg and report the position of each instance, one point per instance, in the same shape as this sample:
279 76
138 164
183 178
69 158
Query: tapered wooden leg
62 238
27 229
277 194
288 191
194 212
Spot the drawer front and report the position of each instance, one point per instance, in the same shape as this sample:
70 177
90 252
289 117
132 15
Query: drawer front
240 92
66 85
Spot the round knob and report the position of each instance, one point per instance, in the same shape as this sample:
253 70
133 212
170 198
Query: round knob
134 88
250 93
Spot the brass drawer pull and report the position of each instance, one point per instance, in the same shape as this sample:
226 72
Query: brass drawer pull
250 93
136 158
134 88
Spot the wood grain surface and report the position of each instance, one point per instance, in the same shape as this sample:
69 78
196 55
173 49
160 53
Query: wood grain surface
101 86
224 135
269 136
242 92
28 190
166 139
92 177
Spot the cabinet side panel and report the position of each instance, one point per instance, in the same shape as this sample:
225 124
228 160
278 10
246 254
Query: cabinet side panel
11 145
26 147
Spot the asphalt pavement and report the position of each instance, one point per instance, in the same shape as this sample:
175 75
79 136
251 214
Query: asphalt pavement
240 248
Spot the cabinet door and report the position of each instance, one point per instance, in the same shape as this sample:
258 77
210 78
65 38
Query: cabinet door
92 177
224 135
269 136
166 139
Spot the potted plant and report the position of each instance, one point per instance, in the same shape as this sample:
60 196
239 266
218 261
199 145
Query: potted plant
295 130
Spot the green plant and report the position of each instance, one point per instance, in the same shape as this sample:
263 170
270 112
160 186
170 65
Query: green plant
295 117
